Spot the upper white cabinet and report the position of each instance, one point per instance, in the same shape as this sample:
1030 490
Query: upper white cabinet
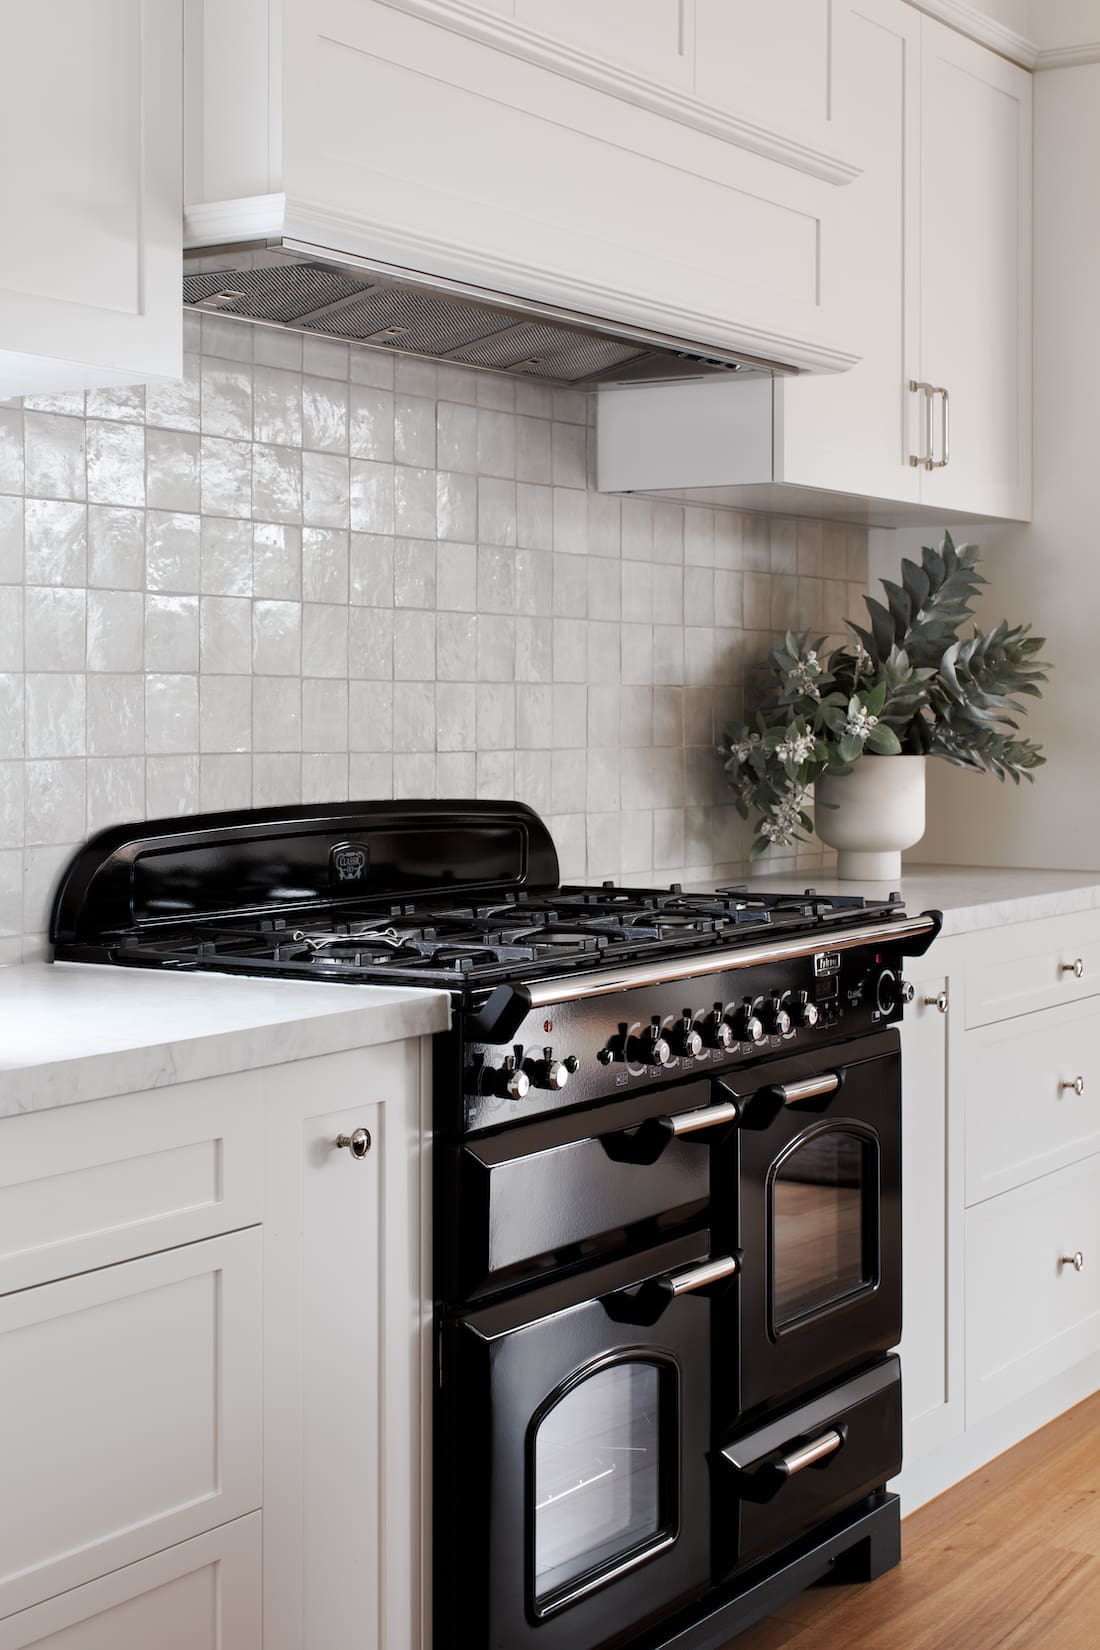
90 194
931 281
599 158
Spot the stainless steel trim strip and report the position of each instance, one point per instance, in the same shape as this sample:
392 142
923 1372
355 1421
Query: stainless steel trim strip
799 1459
704 1117
544 993
711 1271
792 1093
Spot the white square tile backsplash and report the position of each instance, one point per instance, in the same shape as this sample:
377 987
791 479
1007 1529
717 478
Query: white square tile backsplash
312 571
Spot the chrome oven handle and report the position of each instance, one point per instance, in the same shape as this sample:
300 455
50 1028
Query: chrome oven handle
807 1088
799 1459
711 1271
704 1117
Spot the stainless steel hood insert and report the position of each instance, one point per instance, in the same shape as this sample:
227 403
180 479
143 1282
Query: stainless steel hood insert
311 290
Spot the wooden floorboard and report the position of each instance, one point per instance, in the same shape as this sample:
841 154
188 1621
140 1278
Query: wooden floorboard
1007 1560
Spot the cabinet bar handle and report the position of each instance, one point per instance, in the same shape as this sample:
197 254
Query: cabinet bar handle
799 1459
919 387
792 1093
1076 1260
1077 1084
358 1143
711 1271
945 431
1076 968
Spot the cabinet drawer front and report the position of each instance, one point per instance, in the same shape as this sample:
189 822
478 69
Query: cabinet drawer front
1024 1117
199 1595
1032 965
89 1185
131 1413
1029 1314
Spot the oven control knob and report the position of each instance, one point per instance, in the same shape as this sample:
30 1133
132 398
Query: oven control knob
748 1025
549 1073
508 1081
887 992
652 1047
687 1039
717 1031
804 1012
777 1021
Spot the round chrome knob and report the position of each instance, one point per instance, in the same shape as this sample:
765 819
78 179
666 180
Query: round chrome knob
687 1039
717 1031
1077 1084
906 991
777 1020
805 1013
939 1001
748 1025
549 1073
1076 1260
358 1143
1076 968
517 1084
652 1048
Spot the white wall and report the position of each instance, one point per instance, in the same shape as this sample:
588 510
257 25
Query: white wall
1049 571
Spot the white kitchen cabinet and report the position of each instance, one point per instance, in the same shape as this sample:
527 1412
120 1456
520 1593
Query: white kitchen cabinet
90 194
560 153
131 1413
931 279
347 1353
202 1594
928 1411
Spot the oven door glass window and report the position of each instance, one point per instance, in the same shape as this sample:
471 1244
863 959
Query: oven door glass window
604 1463
824 1223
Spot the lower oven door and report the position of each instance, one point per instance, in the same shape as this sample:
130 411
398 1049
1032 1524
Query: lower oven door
572 1435
775 1482
819 1219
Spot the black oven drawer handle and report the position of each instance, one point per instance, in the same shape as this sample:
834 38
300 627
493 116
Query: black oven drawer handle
646 1305
808 1089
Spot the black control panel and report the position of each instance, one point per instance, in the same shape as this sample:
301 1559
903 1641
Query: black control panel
602 1045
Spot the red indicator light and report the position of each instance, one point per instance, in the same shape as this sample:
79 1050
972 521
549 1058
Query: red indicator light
548 1025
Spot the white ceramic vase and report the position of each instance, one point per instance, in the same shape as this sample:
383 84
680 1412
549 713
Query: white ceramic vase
876 811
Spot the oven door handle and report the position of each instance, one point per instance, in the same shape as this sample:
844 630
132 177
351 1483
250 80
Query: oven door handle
808 1088
759 1110
643 1307
762 1481
705 1125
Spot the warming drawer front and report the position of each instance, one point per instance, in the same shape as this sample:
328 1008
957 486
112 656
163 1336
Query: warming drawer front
777 1481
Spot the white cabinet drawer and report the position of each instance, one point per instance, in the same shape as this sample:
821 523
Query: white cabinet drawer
199 1595
1029 1315
131 1413
1024 1117
1029 965
89 1185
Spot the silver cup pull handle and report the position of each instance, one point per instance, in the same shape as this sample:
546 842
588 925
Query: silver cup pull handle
357 1143
799 1459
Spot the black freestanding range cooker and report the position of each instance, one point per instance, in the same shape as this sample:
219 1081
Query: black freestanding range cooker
667 1197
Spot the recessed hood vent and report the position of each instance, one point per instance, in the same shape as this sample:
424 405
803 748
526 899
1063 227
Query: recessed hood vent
298 288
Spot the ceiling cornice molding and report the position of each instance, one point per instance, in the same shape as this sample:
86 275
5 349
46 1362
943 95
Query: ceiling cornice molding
986 30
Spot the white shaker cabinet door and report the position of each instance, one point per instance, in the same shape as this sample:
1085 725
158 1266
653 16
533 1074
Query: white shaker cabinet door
653 37
345 1332
202 1594
926 1305
131 1412
851 432
975 274
90 194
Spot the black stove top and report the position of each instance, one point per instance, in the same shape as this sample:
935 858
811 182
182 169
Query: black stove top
464 896
514 936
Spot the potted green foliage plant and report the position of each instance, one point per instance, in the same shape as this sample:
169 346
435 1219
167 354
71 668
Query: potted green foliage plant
853 729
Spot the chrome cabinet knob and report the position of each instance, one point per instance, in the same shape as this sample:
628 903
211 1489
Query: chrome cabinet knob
358 1143
1076 968
940 1001
1077 1084
1076 1260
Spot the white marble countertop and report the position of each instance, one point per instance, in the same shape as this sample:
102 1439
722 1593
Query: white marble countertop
73 1031
971 897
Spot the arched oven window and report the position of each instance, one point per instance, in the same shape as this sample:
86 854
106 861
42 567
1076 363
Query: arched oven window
823 1220
603 1478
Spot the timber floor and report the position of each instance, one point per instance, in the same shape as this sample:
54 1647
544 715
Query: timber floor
1007 1560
